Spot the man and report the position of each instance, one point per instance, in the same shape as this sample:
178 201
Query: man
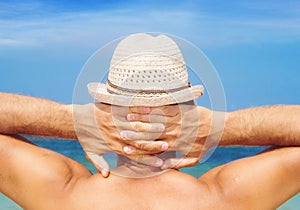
57 182
37 178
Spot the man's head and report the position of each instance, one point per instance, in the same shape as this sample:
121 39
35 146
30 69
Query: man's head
146 70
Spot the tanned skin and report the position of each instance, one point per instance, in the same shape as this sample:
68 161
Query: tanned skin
37 178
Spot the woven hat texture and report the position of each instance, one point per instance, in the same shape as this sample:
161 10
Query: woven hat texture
146 70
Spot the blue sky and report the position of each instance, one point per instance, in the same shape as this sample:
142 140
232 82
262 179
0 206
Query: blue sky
254 45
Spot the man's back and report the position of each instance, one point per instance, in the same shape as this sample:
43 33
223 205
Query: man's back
238 185
58 182
37 178
170 190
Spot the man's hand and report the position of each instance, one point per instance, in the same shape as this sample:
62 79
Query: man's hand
190 130
98 129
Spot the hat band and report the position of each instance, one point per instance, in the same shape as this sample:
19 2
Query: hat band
134 91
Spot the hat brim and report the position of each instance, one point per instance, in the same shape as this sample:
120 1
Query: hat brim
99 92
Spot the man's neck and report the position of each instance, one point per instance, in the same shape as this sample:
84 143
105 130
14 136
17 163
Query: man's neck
132 169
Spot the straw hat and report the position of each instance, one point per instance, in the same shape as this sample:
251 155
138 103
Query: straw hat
146 70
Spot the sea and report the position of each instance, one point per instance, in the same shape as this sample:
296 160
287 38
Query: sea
220 156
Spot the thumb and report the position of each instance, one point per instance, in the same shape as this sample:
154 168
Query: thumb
99 162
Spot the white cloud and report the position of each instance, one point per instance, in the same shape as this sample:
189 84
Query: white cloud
16 43
9 42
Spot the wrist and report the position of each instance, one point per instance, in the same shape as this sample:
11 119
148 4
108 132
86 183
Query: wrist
239 129
205 123
229 130
63 121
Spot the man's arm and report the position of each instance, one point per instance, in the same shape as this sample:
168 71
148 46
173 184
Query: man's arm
35 116
95 126
264 181
269 125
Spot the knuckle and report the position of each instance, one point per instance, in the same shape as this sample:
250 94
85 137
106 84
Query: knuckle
119 138
176 134
137 126
136 117
134 109
154 147
115 137
173 134
140 146
144 118
139 158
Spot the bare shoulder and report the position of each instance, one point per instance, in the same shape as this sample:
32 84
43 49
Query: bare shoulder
31 175
170 190
254 182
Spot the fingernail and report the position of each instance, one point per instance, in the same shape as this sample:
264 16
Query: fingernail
123 134
146 109
130 117
104 172
164 146
127 149
161 128
159 162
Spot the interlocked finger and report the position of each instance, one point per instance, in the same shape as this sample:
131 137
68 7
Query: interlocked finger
145 147
140 110
170 110
153 118
140 126
147 127
131 135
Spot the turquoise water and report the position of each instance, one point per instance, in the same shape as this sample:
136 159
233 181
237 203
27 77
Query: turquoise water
221 155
